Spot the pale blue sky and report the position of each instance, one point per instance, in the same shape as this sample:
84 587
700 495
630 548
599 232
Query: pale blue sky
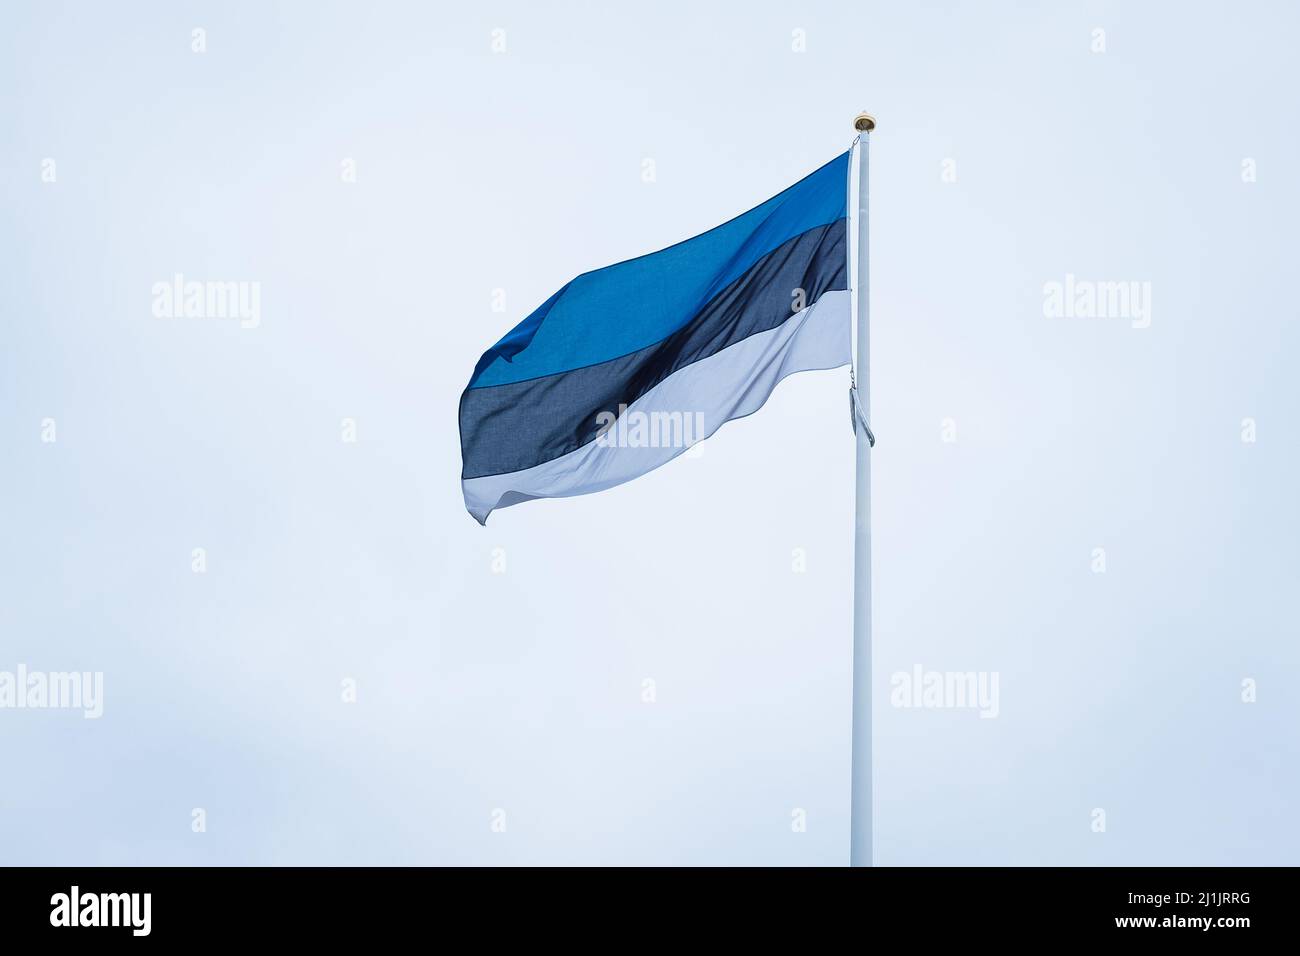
522 691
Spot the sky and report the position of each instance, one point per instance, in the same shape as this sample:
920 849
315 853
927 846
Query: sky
251 527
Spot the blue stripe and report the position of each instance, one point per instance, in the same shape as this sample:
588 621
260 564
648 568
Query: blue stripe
617 310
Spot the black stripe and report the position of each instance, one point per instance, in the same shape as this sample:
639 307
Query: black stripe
517 425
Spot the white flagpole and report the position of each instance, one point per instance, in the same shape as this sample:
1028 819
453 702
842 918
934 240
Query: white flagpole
860 820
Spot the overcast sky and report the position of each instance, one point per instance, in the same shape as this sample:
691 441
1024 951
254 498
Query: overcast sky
254 530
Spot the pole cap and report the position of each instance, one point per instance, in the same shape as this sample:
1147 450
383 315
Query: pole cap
864 122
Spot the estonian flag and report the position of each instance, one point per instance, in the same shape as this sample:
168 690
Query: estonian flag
625 367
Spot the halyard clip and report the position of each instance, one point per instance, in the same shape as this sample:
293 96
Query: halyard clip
857 415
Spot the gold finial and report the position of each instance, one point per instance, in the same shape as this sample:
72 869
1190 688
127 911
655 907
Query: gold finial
864 122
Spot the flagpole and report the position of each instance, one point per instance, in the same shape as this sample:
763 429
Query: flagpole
860 802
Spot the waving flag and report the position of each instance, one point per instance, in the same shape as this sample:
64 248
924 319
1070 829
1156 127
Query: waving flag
627 366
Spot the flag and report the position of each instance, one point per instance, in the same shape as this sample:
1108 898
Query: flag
626 367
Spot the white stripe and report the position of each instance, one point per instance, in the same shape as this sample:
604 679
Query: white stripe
729 384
